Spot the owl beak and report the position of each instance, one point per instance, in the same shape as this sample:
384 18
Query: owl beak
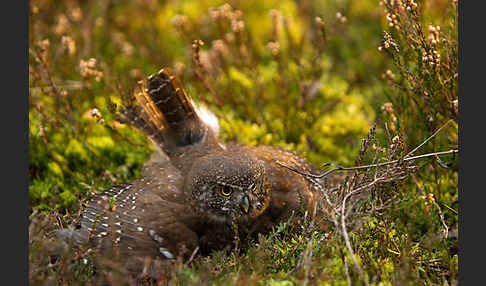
245 203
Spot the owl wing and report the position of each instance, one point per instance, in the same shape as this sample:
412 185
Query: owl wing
291 193
144 218
277 156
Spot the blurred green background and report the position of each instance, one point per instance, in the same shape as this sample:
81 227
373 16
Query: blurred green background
282 76
307 75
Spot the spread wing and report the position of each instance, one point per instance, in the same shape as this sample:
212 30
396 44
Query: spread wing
292 191
147 217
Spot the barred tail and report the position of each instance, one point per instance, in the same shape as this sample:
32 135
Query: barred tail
165 112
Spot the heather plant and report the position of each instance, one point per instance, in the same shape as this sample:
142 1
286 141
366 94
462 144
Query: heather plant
370 88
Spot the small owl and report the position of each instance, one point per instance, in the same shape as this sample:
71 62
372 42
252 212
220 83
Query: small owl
197 194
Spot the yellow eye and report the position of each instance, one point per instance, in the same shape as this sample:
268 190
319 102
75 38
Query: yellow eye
226 191
253 188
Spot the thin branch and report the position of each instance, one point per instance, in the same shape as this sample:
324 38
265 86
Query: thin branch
428 139
442 164
50 81
192 255
341 168
345 232
346 271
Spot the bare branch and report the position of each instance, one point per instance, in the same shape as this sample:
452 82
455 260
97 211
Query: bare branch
341 168
428 139
192 256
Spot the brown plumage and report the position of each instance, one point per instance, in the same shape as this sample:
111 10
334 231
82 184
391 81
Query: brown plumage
197 193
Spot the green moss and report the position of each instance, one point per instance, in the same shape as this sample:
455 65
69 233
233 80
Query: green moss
101 142
55 169
76 149
40 190
67 199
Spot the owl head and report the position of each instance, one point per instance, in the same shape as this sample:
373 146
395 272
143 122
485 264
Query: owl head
223 185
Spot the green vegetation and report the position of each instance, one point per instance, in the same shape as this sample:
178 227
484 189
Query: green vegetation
311 76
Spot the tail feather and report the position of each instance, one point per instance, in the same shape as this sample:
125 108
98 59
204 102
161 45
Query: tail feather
179 115
166 113
135 115
168 96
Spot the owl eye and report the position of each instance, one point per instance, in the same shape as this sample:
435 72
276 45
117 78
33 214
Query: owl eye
253 188
226 191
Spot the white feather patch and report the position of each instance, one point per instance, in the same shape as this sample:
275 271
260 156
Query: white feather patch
207 117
